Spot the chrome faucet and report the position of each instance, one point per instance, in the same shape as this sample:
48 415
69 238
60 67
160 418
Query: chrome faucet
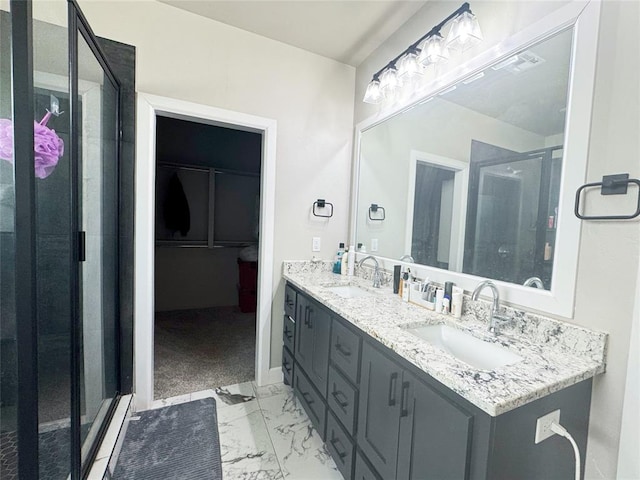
494 317
534 282
407 257
377 275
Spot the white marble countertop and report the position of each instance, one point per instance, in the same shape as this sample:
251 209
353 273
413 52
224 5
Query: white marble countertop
555 354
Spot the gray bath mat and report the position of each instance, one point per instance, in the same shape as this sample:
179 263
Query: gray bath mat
175 442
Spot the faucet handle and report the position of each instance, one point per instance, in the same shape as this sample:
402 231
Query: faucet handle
502 319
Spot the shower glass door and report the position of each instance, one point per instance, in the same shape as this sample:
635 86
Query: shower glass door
97 150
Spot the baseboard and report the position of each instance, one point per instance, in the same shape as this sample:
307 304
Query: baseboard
274 376
112 442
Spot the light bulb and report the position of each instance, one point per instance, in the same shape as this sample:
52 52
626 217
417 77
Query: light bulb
373 94
433 50
389 81
465 32
408 66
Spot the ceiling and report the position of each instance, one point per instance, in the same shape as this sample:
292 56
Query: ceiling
344 30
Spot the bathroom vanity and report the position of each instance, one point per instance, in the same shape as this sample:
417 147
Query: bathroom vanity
389 404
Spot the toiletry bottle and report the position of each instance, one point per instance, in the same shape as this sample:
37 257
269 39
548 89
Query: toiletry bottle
439 299
396 278
445 306
344 263
406 287
337 263
362 248
351 261
448 291
548 249
456 305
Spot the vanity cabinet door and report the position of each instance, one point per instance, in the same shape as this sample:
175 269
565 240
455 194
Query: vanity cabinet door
435 434
320 326
313 325
304 334
379 410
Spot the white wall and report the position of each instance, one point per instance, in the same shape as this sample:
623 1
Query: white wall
609 251
183 56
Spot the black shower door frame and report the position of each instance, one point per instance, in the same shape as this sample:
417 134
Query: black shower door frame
25 235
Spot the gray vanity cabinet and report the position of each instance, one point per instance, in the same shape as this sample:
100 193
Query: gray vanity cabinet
382 418
379 410
313 327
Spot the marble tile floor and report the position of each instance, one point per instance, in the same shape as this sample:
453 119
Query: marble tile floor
265 434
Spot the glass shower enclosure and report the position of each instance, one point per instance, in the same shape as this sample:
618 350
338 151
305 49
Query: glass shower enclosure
59 151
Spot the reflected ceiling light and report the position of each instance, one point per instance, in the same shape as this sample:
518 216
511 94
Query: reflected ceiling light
429 49
447 90
465 31
477 76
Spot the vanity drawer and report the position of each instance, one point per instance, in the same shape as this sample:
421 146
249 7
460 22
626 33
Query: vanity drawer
287 366
340 446
289 333
311 400
289 301
342 398
345 350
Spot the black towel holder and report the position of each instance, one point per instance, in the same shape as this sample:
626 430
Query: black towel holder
321 203
610 185
374 208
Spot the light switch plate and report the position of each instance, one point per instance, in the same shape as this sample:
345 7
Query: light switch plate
374 244
315 244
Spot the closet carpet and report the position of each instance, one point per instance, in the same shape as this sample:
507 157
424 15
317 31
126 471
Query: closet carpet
203 349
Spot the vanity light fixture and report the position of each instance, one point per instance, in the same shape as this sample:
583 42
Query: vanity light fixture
429 49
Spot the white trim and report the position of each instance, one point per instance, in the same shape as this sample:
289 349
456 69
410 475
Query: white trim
460 187
585 17
148 106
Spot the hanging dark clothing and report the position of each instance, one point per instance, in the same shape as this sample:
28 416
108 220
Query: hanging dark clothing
177 217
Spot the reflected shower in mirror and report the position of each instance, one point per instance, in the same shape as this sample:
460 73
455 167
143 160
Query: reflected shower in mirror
470 177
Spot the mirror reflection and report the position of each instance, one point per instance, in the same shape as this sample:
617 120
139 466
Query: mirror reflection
470 178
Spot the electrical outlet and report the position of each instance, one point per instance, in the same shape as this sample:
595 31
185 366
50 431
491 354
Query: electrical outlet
543 425
315 244
374 244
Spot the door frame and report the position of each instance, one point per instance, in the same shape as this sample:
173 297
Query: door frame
460 187
148 107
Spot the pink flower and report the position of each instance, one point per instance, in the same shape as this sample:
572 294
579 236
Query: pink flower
48 147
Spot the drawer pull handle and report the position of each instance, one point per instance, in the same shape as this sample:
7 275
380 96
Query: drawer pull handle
288 333
340 451
342 403
392 389
307 398
404 400
342 350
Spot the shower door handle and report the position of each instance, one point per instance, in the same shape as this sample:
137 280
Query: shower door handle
82 246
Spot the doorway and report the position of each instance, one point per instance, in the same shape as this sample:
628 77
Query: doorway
150 110
207 217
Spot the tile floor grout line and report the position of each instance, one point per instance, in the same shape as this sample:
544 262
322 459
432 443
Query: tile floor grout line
268 430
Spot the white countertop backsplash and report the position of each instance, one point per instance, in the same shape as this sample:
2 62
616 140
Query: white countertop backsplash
555 354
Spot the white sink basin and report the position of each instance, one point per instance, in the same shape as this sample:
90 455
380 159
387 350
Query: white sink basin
465 347
349 291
